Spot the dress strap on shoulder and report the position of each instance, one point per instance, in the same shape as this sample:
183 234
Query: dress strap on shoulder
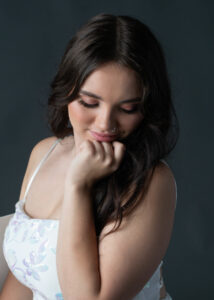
39 166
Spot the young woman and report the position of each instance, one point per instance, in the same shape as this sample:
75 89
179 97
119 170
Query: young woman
97 203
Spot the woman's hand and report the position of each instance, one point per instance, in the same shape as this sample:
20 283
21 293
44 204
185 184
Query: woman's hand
94 160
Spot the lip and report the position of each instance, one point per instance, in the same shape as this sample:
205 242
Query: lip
103 137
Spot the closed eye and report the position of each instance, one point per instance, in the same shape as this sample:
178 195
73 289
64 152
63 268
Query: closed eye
128 111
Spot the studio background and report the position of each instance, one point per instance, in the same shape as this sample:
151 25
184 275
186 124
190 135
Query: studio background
33 38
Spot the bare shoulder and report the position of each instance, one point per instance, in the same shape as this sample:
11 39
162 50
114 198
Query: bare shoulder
144 238
159 199
39 150
37 153
161 193
164 179
42 147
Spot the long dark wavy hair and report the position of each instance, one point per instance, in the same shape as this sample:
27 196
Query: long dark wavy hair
130 43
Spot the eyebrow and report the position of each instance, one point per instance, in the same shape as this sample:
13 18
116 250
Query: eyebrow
100 98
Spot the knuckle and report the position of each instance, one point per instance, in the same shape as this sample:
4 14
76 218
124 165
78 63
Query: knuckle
98 157
109 160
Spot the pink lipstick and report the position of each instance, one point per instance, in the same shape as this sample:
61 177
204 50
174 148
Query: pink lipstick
103 137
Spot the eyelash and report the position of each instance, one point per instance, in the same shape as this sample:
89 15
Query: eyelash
95 105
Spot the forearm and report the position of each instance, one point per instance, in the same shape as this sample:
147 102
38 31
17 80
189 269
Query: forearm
77 251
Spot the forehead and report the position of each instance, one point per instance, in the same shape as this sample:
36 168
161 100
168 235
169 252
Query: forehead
112 80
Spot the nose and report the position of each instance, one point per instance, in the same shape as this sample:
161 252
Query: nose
106 121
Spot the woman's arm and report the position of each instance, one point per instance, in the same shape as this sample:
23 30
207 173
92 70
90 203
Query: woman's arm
14 290
121 263
77 251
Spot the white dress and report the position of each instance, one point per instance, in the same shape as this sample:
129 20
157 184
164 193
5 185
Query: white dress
29 248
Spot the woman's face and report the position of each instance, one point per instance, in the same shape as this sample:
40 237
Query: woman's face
112 97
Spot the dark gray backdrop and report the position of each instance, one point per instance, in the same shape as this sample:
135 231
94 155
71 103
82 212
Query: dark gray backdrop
33 38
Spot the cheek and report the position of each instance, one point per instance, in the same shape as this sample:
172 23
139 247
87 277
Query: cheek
138 120
133 122
78 114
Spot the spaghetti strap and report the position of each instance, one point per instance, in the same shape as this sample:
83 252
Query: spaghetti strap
174 181
39 166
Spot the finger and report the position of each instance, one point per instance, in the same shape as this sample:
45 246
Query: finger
87 144
99 149
108 149
119 150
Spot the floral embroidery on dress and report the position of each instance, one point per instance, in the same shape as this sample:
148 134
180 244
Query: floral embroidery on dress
59 296
30 251
34 233
33 263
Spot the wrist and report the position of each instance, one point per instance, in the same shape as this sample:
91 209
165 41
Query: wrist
78 187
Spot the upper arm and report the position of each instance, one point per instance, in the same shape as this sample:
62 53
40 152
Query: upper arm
38 151
129 256
13 289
